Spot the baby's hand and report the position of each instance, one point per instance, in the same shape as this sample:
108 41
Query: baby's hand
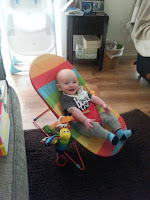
107 109
88 123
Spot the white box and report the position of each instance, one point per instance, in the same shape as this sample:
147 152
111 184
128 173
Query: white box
4 145
83 53
2 121
4 130
3 93
91 41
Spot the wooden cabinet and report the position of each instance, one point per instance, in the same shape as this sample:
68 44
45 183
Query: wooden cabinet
95 24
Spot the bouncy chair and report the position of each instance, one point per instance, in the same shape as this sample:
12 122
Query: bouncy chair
42 73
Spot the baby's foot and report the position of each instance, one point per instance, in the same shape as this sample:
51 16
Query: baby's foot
112 138
124 134
127 134
115 140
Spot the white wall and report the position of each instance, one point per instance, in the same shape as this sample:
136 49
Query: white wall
119 12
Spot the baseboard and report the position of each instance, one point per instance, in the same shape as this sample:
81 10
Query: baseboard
129 56
64 57
124 56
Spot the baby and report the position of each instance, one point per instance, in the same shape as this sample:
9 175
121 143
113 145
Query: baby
82 105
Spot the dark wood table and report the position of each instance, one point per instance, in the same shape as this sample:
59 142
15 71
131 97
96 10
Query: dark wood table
95 24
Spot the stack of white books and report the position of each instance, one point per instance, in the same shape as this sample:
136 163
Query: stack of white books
4 130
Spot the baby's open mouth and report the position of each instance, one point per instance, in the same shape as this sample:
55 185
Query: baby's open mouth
71 90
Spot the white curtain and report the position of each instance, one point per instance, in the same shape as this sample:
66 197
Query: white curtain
60 28
139 27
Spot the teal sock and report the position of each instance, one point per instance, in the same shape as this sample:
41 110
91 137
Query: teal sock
124 134
112 138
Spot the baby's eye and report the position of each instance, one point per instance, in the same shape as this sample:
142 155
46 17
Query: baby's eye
66 83
74 82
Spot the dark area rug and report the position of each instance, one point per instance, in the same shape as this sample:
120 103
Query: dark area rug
125 176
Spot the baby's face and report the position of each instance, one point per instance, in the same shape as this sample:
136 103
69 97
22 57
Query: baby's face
68 83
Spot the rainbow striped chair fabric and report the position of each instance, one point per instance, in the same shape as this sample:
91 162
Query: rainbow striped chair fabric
43 72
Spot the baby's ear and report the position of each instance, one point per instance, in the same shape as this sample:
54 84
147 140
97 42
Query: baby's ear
58 87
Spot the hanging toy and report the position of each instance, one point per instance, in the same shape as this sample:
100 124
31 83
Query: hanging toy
61 141
60 138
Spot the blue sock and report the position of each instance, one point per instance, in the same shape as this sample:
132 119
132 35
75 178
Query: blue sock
124 134
112 138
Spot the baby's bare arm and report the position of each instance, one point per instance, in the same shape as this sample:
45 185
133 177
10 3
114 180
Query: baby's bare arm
98 101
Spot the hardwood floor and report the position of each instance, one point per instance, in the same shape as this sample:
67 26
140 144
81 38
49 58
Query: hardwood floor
120 88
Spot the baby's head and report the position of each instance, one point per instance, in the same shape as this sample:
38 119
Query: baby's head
67 81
